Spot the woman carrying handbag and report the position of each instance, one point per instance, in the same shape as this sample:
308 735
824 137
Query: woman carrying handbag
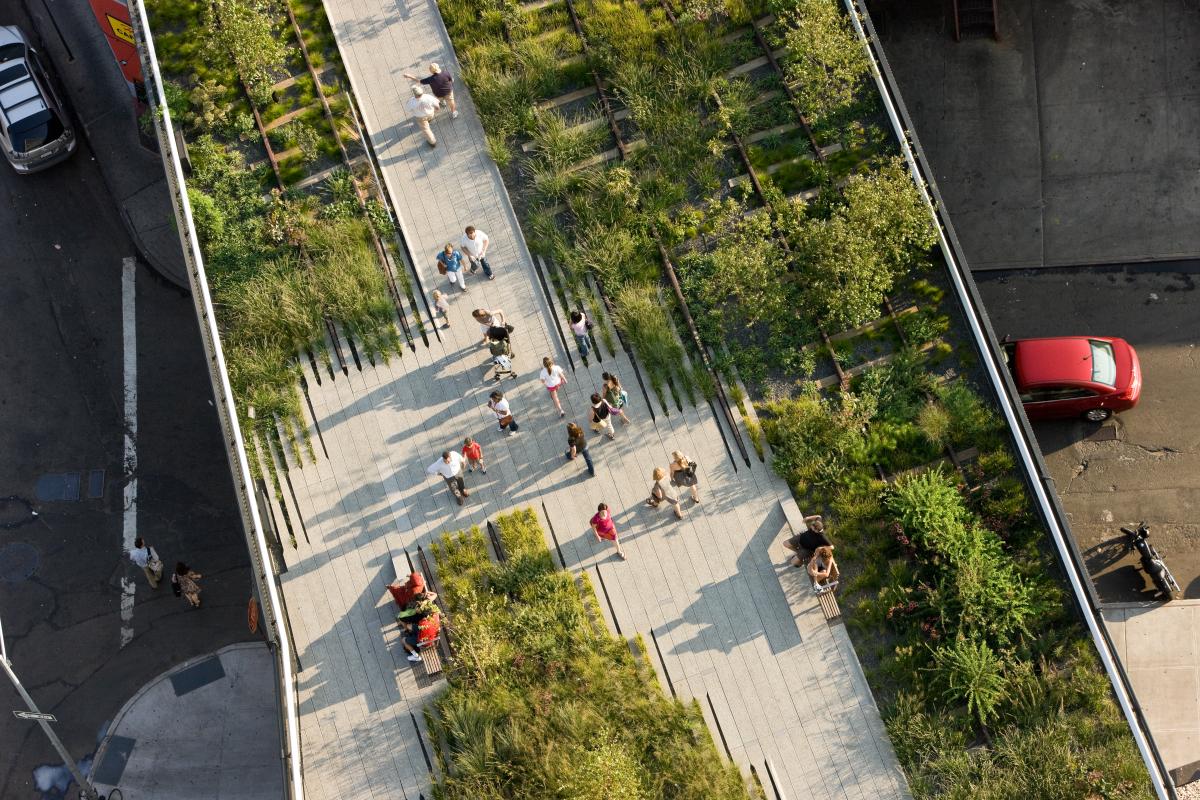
683 473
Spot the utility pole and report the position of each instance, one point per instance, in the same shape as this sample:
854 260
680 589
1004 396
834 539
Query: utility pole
85 788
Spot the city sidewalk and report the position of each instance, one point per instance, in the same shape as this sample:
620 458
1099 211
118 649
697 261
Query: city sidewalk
205 730
777 684
99 97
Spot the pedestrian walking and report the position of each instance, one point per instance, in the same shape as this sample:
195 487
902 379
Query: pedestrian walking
577 446
475 244
449 467
580 325
683 473
604 528
602 417
147 558
658 495
553 377
616 396
503 412
441 84
186 583
441 307
423 106
473 452
488 320
449 263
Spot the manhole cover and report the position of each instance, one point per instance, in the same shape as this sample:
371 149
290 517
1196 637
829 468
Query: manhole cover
17 562
15 512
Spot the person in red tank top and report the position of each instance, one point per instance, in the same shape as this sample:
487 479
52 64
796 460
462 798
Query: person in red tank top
473 452
604 527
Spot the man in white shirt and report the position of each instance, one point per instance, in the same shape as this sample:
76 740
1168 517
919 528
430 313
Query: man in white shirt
145 557
423 106
474 244
449 466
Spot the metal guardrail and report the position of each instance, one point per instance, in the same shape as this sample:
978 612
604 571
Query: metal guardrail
265 578
1037 476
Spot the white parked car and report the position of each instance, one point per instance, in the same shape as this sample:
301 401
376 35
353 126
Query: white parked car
34 130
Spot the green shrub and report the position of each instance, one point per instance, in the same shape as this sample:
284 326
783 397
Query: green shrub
210 221
824 56
814 440
542 703
971 673
246 32
934 422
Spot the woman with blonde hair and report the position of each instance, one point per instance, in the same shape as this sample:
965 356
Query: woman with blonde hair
659 495
683 473
823 570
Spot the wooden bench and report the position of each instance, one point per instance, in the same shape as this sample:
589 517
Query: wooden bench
829 607
431 657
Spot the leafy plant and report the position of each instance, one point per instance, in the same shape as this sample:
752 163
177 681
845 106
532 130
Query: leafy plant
971 673
245 32
815 440
825 59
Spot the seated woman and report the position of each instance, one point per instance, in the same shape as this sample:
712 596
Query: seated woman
823 570
805 544
405 593
421 624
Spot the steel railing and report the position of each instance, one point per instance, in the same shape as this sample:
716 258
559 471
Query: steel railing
265 578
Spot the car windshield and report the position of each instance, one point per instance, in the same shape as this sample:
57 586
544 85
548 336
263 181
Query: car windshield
1104 365
35 130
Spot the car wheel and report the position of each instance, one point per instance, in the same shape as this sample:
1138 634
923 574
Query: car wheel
1097 414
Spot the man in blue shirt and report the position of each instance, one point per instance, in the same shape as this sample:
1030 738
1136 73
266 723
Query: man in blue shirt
450 264
442 86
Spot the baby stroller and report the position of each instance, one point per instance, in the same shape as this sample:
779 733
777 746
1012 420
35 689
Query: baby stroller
502 356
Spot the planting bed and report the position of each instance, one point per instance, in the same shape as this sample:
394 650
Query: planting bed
299 245
807 274
542 701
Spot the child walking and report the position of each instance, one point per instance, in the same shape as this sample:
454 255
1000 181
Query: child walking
473 452
441 307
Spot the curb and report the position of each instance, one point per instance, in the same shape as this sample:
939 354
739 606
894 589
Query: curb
102 748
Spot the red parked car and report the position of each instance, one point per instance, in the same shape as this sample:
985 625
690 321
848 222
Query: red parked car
1074 376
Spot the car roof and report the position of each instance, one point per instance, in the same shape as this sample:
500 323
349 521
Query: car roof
1066 359
20 96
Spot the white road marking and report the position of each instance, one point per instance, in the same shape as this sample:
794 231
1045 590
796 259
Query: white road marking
129 524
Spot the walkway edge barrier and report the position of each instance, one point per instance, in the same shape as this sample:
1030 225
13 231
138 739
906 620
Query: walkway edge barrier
1036 475
265 578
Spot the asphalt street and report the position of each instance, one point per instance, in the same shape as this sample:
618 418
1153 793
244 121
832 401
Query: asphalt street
62 412
1151 469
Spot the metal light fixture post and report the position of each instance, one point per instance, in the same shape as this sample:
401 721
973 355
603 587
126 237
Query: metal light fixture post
85 788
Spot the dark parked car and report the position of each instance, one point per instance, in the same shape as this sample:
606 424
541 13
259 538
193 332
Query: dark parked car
1074 376
34 130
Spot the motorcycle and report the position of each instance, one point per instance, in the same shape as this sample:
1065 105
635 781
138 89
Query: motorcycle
1152 563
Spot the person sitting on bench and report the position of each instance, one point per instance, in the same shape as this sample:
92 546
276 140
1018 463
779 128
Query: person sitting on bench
805 544
405 593
420 623
823 570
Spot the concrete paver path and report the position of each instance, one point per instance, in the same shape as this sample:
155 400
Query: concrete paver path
782 684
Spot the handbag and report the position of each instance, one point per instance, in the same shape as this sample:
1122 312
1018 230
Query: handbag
506 420
441 267
154 563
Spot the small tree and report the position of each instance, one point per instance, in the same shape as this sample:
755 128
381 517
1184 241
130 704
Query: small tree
244 32
825 58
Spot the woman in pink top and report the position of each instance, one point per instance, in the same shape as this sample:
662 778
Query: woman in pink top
604 527
552 377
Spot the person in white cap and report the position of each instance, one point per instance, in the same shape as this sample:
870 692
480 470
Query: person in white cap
423 106
442 86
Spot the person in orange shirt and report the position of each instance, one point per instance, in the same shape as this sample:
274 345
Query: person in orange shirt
473 452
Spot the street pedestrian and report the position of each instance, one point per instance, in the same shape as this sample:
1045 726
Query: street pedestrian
488 320
604 527
616 396
186 583
473 452
577 446
147 558
423 106
602 417
580 325
449 263
449 467
503 412
441 84
475 244
553 377
441 307
683 473
658 494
